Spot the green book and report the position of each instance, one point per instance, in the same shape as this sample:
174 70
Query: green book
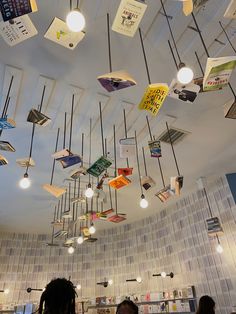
99 166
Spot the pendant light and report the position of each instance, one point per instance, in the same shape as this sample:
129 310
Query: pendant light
71 250
185 74
75 20
143 202
92 228
89 191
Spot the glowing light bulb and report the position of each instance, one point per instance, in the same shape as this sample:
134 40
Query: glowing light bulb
6 291
163 274
44 289
25 182
110 282
143 202
80 239
78 287
75 20
185 74
89 192
139 279
92 229
71 250
219 249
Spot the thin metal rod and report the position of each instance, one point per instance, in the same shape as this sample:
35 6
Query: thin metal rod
144 162
172 53
105 144
71 120
232 90
227 36
64 137
31 147
8 93
115 171
100 112
139 173
208 202
199 63
62 198
172 147
90 144
65 201
55 212
73 217
42 98
200 34
149 129
54 160
126 135
58 209
70 5
109 41
82 149
69 194
7 106
77 4
171 32
144 55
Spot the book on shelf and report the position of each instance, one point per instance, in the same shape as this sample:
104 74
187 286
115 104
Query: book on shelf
119 182
11 9
128 17
99 166
154 97
218 72
116 80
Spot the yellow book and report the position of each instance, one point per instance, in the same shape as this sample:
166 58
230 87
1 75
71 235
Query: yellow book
119 182
33 5
154 97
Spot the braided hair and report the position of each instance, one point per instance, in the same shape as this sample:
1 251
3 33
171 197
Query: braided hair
58 298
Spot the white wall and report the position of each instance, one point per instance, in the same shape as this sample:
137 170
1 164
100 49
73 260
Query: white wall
175 239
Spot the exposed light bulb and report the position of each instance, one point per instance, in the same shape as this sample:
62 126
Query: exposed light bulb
6 291
92 229
139 279
219 249
25 182
75 20
44 289
110 282
163 274
185 74
89 191
78 287
71 250
143 202
80 239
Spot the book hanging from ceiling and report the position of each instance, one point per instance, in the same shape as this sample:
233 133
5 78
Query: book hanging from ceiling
11 9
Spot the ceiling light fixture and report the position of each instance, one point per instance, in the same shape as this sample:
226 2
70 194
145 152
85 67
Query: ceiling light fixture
138 279
34 289
25 182
80 239
143 202
163 274
92 229
89 191
71 250
5 291
75 20
78 287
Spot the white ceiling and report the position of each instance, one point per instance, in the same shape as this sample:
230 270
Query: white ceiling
208 149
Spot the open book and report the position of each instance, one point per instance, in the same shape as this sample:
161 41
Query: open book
218 72
38 117
128 17
154 97
116 80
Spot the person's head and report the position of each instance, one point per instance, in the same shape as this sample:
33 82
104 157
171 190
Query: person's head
127 307
206 305
58 297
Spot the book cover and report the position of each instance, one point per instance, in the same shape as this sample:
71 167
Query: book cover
17 30
230 109
125 171
176 184
25 162
128 17
60 233
38 117
127 147
6 146
54 190
3 161
154 97
7 123
164 194
147 182
99 166
184 92
59 33
116 80
76 173
119 182
155 148
70 160
218 72
117 218
11 9
61 153
230 12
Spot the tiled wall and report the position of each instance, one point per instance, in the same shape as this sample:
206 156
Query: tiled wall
175 239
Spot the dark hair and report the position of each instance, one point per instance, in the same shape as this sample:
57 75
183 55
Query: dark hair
206 305
130 306
58 297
